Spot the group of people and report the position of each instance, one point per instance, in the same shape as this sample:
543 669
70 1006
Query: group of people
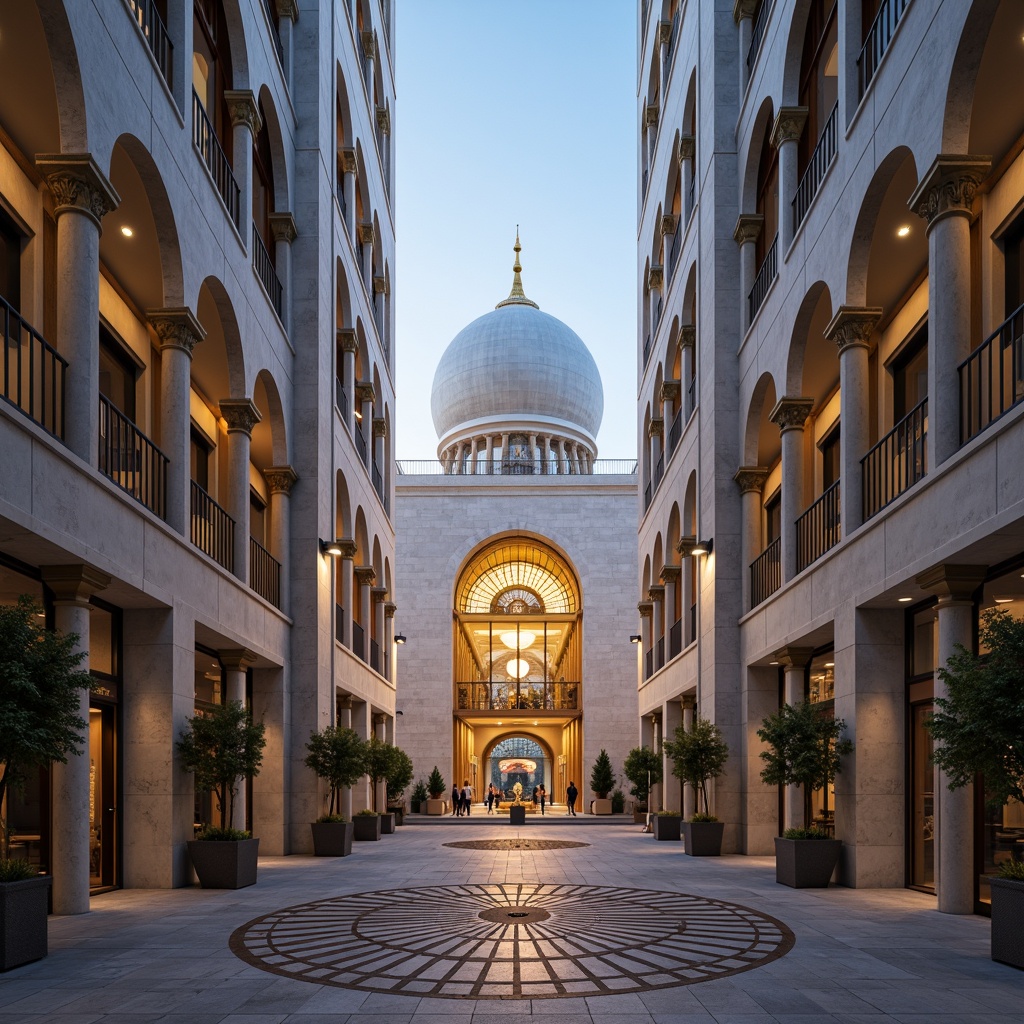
462 799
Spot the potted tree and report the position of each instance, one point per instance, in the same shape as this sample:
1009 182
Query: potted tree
419 798
336 756
805 750
643 769
978 728
437 788
602 779
398 778
376 763
699 755
221 746
40 722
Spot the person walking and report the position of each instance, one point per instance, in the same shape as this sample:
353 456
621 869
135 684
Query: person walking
467 797
456 801
570 798
490 797
543 797
536 790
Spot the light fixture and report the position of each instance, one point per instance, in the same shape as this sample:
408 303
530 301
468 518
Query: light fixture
127 231
830 664
773 663
499 723
635 638
400 638
517 668
1003 600
524 636
399 712
903 230
904 600
330 548
535 723
703 547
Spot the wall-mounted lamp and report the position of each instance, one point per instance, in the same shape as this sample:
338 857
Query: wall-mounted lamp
330 548
399 712
400 638
703 547
635 638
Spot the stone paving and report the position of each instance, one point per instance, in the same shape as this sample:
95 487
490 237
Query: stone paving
858 956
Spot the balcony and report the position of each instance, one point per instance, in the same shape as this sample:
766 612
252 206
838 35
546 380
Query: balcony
659 652
877 40
341 398
274 31
33 372
647 349
648 494
213 530
766 275
675 432
992 377
131 460
264 573
821 159
757 32
358 641
378 481
675 639
766 573
204 138
154 31
659 472
818 529
360 442
897 462
526 697
673 250
264 267
339 623
374 655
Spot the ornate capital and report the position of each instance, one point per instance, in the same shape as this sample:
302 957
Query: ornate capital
948 187
236 659
243 109
656 593
664 32
670 573
952 582
74 584
668 224
344 702
365 575
743 9
656 277
651 115
347 339
656 428
288 9
687 147
365 391
750 478
791 413
241 414
789 125
646 609
283 227
369 44
176 328
389 609
380 284
688 336
77 183
686 545
348 547
378 594
384 120
794 657
347 158
280 479
380 426
748 227
670 391
852 326
366 233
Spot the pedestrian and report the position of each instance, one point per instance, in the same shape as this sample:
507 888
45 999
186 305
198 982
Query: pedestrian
543 797
467 797
490 796
570 798
536 790
456 801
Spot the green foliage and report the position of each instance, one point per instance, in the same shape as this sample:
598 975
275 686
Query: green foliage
436 785
419 793
399 773
40 698
220 746
805 833
703 818
641 763
212 834
1012 870
386 763
16 870
978 727
804 748
367 812
602 779
332 819
618 802
697 756
336 756
668 814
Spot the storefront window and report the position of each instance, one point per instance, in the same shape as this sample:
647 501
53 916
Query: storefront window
820 687
923 639
209 691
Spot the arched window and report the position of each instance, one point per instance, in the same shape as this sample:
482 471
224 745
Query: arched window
263 186
819 76
211 67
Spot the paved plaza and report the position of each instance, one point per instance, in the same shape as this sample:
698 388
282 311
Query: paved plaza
511 933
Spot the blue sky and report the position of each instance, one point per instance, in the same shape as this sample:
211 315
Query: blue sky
515 113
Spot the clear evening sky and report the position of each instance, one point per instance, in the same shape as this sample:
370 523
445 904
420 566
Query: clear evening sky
515 113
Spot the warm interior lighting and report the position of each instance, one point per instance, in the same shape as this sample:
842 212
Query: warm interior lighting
830 664
1003 600
331 548
524 638
359 415
499 723
904 600
635 638
517 668
903 230
127 231
773 663
535 723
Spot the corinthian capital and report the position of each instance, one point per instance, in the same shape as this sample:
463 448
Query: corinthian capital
243 109
789 125
791 413
656 277
852 326
280 479
750 478
77 183
241 415
176 328
949 186
347 156
283 227
384 120
748 227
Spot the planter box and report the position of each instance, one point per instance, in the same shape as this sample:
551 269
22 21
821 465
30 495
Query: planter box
332 838
23 921
666 826
600 806
1007 915
517 815
387 824
367 828
435 806
806 863
639 817
398 810
703 838
227 865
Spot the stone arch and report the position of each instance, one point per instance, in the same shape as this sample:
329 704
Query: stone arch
62 57
672 534
689 305
218 363
751 159
794 52
806 363
343 524
278 151
690 524
378 561
343 296
671 355
270 435
343 111
240 78
645 578
361 537
364 365
761 438
657 558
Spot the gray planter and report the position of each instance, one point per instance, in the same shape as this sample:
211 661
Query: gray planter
1007 915
666 826
224 865
387 823
332 838
366 827
806 863
703 838
398 810
23 921
517 815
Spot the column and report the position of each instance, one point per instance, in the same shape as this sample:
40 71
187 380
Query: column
545 454
345 722
366 268
743 15
656 595
655 431
349 347
390 648
379 299
748 228
689 705
348 188
955 586
369 45
786 132
671 718
654 798
533 454
670 574
380 434
651 126
82 196
669 406
235 662
655 283
669 223
287 15
378 596
365 395
380 797
664 57
687 149
72 586
384 137
246 123
685 547
348 554
794 661
945 199
646 609
504 451
559 450
790 414
280 480
851 329
283 227
688 345
178 332
750 480
241 415
460 457
365 575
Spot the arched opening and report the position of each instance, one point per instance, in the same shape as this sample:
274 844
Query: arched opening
819 77
517 759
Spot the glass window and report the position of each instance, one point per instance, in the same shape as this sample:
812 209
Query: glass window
773 518
924 654
910 376
118 374
199 454
821 682
209 678
830 467
102 653
10 261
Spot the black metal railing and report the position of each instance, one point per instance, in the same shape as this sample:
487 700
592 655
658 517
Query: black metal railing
341 398
992 377
378 481
659 471
757 32
648 494
339 623
340 192
374 655
264 573
675 432
691 398
131 460
673 251
360 442
657 313
818 529
693 624
692 190
822 157
649 664
659 652
153 29
34 372
523 696
876 42
766 573
213 530
672 38
274 31
264 267
206 142
897 462
766 274
675 638
647 349
358 641
643 189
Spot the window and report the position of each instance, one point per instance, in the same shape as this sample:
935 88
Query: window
118 374
257 518
767 196
1013 243
200 451
10 261
819 76
910 375
773 518
830 466
263 186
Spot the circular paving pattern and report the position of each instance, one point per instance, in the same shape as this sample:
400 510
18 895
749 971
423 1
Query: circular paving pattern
515 844
525 941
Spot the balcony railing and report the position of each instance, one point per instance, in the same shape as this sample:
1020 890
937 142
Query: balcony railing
155 32
213 530
673 36
274 31
648 494
643 189
877 40
340 193
339 623
206 142
657 313
378 481
992 377
498 467
766 573
264 573
675 638
673 251
649 664
897 462
33 373
131 460
822 157
757 32
264 267
341 399
691 398
818 529
374 655
647 349
765 276
659 471
358 641
360 442
675 432
523 696
659 652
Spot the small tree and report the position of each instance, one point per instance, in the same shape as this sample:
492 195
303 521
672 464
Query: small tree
643 769
336 755
979 725
697 756
804 749
40 699
602 778
436 786
377 760
399 773
220 746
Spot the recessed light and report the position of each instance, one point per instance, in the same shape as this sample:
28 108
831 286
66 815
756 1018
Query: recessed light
904 600
830 664
903 230
773 663
499 723
127 231
534 723
1003 600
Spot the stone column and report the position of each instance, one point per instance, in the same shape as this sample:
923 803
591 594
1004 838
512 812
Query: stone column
380 312
379 595
533 453
655 283
685 548
651 135
743 15
246 123
365 575
366 236
82 196
178 332
655 432
366 395
545 454
955 586
664 57
241 415
656 595
460 457
283 227
750 480
748 229
794 661
671 718
646 610
72 586
851 329
945 199
348 168
688 345
348 554
287 15
345 722
389 642
235 662
669 407
369 46
670 574
349 347
280 480
504 450
380 797
786 132
790 414
689 706
384 139
669 224
380 435
489 454
687 169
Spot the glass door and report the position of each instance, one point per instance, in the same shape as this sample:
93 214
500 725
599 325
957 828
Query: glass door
922 812
102 795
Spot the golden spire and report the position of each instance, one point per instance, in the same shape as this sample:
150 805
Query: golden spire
517 296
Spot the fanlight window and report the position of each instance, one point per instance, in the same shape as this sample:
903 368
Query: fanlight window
517 577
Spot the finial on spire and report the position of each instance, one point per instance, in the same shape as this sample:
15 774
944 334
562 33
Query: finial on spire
517 296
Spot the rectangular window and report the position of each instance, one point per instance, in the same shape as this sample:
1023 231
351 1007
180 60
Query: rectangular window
910 375
773 518
10 261
830 467
118 374
199 454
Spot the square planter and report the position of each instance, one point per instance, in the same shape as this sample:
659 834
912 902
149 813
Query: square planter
435 806
517 815
367 828
398 810
666 826
387 824
703 838
227 865
23 921
806 863
600 806
332 838
639 817
1007 915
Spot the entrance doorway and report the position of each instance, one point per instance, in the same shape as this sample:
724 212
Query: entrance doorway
519 759
103 839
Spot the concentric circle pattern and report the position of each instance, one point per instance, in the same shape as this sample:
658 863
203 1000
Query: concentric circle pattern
519 845
507 941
